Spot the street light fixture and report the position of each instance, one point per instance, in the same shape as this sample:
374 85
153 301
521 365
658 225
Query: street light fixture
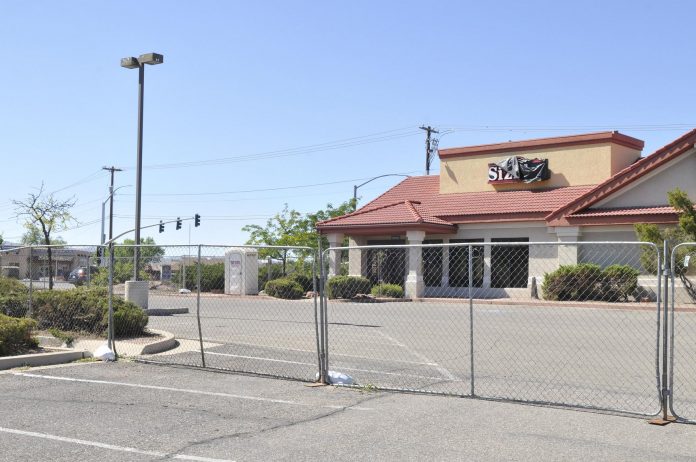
355 187
139 63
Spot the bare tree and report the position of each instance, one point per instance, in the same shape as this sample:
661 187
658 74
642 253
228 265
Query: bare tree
45 212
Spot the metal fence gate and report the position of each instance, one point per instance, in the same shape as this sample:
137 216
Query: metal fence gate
682 380
502 320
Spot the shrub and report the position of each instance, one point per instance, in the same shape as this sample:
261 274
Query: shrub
86 310
15 335
347 286
588 281
212 277
284 288
12 286
620 281
14 304
303 280
388 290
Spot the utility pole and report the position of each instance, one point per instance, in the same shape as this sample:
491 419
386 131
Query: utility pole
111 169
428 130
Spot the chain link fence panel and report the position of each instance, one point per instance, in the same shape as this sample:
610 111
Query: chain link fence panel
683 332
573 324
237 308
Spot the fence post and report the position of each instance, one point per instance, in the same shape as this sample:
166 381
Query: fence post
323 364
664 419
31 281
198 306
471 319
316 315
110 327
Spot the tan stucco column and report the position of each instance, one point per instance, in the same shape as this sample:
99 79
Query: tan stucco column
335 240
487 263
355 257
414 277
568 254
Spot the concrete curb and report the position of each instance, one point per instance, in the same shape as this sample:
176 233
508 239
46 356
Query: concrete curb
166 343
57 356
165 311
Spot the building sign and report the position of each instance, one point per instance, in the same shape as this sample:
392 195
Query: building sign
519 170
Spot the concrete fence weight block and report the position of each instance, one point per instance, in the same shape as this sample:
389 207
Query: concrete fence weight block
137 292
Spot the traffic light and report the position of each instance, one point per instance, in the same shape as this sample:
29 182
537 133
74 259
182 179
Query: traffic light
197 220
178 223
161 227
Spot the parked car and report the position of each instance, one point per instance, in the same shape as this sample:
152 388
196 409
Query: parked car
81 275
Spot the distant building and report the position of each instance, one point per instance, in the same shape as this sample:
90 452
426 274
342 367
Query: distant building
64 260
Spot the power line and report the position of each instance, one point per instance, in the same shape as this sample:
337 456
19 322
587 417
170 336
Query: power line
339 144
280 188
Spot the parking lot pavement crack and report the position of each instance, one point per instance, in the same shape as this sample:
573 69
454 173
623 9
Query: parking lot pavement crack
280 426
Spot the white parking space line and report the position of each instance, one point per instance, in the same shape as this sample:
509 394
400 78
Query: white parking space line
111 447
441 369
314 352
186 390
257 357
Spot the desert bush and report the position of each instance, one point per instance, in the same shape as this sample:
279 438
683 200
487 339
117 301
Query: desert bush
588 281
15 335
388 290
86 310
620 281
284 288
303 280
347 286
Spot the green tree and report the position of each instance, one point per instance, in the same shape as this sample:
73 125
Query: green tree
290 228
674 235
123 260
34 236
48 214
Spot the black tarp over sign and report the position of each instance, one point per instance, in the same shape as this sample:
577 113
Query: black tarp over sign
527 170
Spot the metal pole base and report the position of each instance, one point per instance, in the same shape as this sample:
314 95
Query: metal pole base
662 421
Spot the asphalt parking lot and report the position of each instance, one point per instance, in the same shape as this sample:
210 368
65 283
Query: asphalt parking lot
581 356
130 411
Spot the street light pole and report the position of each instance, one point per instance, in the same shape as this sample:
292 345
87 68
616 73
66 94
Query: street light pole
355 187
139 169
139 63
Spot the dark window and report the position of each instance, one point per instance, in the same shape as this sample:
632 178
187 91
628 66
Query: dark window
432 264
385 265
459 263
509 264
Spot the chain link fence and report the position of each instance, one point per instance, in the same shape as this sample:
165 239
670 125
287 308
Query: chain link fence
571 323
564 323
682 381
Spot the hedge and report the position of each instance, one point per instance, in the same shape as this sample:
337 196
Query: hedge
347 286
303 280
14 297
388 290
284 288
212 277
86 310
15 335
587 281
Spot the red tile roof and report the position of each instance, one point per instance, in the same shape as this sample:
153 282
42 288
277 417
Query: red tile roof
613 212
417 200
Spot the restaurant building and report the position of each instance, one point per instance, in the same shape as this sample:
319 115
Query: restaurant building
588 187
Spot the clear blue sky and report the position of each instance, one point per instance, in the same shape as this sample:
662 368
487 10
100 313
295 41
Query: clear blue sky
248 82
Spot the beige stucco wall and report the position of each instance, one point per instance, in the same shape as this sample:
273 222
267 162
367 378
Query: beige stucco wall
570 166
652 189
